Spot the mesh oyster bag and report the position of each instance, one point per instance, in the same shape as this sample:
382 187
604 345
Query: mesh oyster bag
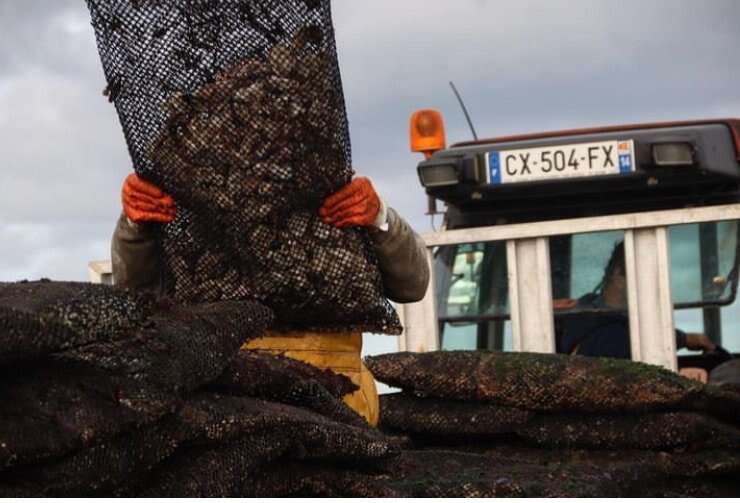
110 468
448 422
653 431
181 347
103 362
40 317
433 417
52 410
226 439
285 380
551 383
235 108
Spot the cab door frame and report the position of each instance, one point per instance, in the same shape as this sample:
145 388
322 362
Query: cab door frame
647 260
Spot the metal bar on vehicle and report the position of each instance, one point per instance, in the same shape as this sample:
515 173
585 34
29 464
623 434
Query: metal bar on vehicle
652 331
584 225
530 294
419 320
709 260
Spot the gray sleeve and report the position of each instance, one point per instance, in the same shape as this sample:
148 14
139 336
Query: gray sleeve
402 260
134 256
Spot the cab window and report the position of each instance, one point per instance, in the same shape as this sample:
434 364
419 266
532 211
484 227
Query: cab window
703 260
704 282
472 296
589 288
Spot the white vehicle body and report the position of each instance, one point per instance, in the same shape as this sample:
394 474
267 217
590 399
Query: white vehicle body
648 279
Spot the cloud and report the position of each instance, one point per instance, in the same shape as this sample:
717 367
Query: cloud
58 250
522 66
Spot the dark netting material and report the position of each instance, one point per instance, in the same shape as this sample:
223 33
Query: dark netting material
210 447
301 479
257 374
670 464
446 474
110 468
55 409
165 405
624 473
285 380
217 472
438 417
180 348
442 421
107 362
549 382
436 473
235 108
213 419
229 437
37 318
647 431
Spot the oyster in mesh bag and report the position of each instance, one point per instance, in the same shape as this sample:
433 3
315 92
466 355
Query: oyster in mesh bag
54 409
236 110
433 417
115 467
41 317
549 382
653 431
285 380
227 438
108 362
266 203
181 347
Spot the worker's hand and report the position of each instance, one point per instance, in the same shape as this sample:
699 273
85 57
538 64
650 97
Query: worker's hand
695 373
143 202
357 204
700 342
564 304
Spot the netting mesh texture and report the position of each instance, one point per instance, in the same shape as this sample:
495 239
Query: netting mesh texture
128 396
40 317
132 396
646 431
235 108
551 382
511 470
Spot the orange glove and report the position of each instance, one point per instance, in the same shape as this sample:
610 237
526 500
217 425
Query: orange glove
356 204
143 202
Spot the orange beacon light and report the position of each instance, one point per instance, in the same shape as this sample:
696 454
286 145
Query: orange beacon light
427 132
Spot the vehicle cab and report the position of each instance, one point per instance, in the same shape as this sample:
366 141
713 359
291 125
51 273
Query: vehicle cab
619 239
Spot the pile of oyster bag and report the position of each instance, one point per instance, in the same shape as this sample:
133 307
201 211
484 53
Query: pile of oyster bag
236 110
106 392
560 425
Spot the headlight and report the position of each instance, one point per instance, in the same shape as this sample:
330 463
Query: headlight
438 175
673 154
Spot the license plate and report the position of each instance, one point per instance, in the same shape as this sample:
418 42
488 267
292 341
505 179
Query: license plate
581 160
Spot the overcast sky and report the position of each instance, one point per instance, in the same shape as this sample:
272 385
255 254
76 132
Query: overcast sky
522 66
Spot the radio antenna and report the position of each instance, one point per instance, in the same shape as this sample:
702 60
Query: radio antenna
464 109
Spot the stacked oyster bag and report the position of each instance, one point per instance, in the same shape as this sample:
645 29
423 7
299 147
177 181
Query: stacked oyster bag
631 422
107 392
236 110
